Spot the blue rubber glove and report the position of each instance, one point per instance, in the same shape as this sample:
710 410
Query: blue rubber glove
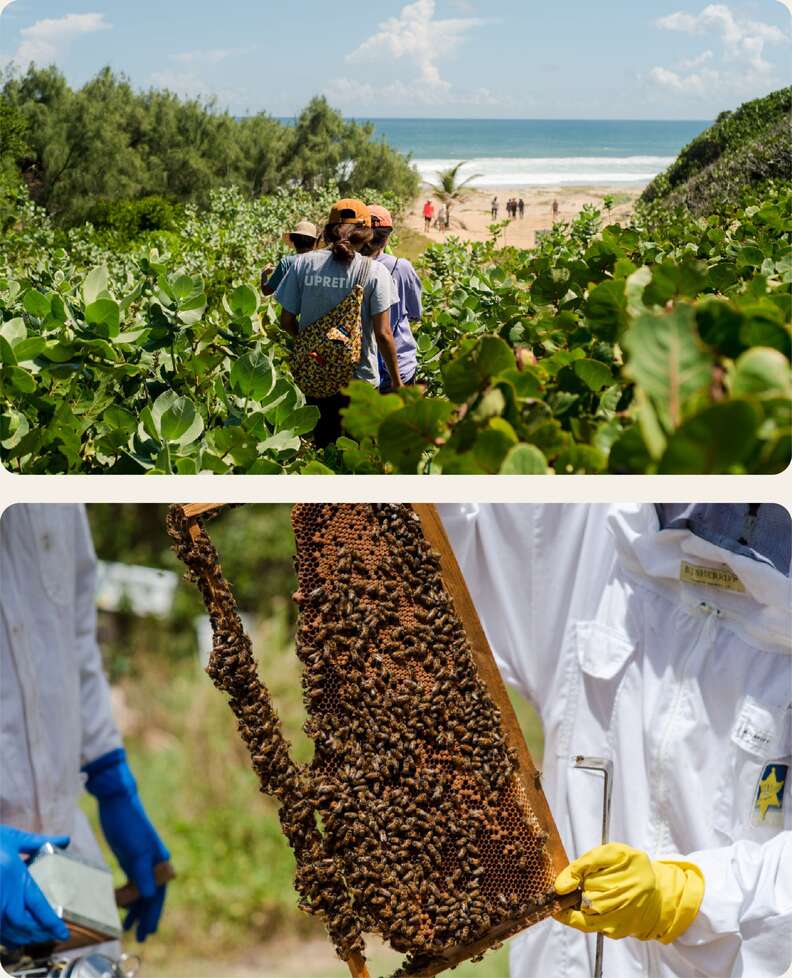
130 835
25 915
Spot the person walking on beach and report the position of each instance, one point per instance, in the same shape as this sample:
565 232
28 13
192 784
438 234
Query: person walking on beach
302 238
555 211
494 207
317 285
428 214
407 307
521 206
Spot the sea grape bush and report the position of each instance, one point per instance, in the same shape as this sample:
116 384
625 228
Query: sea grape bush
662 346
619 350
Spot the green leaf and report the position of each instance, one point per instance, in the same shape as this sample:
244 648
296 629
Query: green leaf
29 349
13 331
761 370
406 434
719 323
182 287
95 284
191 310
280 442
629 454
524 460
24 382
13 428
118 418
712 442
253 375
104 313
606 309
468 373
301 420
265 466
594 374
367 409
36 304
243 301
525 382
316 467
667 360
180 424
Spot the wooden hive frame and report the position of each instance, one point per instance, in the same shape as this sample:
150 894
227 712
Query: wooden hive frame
524 772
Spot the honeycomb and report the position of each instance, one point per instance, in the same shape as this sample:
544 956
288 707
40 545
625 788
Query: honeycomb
426 833
416 784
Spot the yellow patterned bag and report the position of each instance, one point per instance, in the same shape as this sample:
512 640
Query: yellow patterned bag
327 353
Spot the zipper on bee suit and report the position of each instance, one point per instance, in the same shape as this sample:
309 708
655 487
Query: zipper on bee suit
704 639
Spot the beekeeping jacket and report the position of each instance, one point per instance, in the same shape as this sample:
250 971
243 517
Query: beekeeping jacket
637 644
55 711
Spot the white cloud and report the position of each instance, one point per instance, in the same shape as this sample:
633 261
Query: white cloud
43 41
188 84
417 37
743 40
406 52
695 83
742 70
689 64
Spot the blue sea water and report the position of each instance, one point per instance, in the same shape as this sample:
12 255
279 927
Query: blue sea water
533 152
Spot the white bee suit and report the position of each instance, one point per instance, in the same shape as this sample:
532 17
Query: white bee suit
687 687
55 712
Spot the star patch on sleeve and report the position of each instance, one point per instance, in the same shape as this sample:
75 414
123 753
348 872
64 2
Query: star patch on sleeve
770 792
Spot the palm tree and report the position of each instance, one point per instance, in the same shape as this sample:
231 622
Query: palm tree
449 189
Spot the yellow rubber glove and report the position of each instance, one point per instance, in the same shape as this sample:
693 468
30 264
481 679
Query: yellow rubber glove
626 894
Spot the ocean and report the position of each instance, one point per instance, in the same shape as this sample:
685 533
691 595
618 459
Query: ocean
536 152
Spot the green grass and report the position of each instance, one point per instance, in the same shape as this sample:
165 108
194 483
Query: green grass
234 888
409 244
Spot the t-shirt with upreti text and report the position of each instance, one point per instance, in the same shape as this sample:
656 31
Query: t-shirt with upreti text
316 283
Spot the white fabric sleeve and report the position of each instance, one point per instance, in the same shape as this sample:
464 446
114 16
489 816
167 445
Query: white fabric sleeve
744 926
521 564
99 731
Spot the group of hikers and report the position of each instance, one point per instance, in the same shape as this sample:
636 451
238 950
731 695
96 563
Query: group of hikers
513 208
349 305
440 219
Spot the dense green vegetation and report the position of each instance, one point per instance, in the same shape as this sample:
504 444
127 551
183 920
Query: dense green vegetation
141 343
234 889
107 142
742 149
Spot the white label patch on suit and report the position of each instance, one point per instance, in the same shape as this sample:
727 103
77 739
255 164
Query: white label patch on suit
720 577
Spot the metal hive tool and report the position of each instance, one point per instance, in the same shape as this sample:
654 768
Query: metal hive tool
435 833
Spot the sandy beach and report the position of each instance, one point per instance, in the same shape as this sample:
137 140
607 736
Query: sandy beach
470 219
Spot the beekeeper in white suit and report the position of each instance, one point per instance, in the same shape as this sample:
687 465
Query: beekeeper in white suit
57 734
659 638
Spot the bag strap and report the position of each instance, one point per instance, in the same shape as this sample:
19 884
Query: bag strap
363 272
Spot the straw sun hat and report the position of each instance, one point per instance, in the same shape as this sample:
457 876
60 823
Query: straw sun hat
306 228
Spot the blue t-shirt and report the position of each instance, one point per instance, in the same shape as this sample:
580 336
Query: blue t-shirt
316 283
281 269
405 310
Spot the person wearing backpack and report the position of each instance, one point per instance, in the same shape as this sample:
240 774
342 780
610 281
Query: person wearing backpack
336 304
407 307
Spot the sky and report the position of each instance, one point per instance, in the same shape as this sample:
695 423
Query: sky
618 59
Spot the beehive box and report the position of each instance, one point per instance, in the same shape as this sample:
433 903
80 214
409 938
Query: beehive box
435 833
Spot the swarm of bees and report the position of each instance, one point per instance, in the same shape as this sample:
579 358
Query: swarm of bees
427 837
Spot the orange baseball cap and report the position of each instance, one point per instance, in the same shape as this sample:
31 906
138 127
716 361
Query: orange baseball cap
350 211
380 216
